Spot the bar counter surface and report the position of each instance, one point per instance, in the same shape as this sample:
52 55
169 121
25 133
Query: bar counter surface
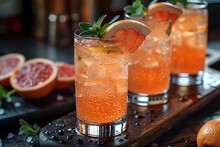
179 131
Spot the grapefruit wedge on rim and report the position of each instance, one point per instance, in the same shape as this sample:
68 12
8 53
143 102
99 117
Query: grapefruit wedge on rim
66 75
35 79
163 10
8 64
132 32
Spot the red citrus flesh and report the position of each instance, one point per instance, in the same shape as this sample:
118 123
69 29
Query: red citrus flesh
8 64
132 33
163 10
66 77
35 79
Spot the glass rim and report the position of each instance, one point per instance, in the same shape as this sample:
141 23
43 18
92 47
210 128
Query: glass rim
147 18
197 4
77 35
137 17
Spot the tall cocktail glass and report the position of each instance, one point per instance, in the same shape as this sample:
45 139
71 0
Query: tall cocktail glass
149 65
100 86
189 43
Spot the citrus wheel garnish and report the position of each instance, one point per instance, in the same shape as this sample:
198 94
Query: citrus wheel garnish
209 133
132 32
8 64
162 10
66 75
35 79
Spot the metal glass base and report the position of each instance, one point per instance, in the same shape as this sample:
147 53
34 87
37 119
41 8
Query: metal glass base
102 130
187 79
147 100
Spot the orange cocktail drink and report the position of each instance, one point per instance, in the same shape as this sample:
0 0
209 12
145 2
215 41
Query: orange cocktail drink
100 81
189 42
149 66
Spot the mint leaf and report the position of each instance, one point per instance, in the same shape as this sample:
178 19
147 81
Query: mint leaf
104 28
136 9
23 122
97 28
5 96
114 19
84 26
181 2
28 129
100 20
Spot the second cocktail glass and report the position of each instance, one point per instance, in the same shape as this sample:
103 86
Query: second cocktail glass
149 66
100 86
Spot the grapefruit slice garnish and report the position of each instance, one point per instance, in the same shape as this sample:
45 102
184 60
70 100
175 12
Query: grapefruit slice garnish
8 64
131 32
162 10
66 75
35 79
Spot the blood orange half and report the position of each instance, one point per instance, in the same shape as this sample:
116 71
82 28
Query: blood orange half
163 10
35 79
8 64
66 77
132 32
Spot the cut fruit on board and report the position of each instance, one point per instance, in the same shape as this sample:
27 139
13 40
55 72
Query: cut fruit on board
35 79
66 76
8 64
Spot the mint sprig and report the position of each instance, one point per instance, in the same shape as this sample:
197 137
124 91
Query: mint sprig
96 28
180 2
5 96
136 9
28 130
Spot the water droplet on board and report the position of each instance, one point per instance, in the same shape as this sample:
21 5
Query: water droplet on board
69 137
54 137
47 132
62 142
50 124
138 116
137 124
61 132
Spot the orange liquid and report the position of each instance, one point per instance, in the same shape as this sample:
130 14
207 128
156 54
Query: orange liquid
186 59
100 84
100 106
150 80
189 42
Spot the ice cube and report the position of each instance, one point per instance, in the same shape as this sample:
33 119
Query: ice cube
29 139
2 111
17 104
10 135
164 47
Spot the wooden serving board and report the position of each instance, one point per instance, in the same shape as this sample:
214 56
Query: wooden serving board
57 103
145 124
